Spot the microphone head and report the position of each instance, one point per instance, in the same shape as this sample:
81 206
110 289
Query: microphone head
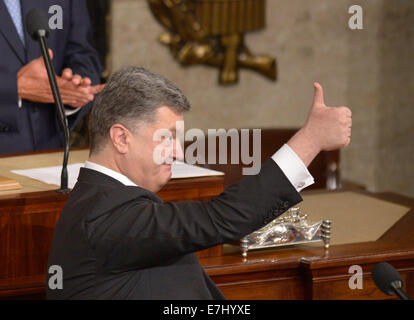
37 24
386 278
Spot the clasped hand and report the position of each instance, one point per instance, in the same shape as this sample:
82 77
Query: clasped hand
33 84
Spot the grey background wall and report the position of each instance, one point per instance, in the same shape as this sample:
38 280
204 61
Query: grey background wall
370 70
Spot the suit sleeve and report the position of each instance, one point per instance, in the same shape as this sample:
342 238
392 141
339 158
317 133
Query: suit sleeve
80 54
8 100
144 233
8 88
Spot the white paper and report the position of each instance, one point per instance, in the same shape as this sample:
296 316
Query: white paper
180 169
51 175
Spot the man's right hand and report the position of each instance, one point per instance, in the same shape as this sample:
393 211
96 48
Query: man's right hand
33 84
77 80
327 128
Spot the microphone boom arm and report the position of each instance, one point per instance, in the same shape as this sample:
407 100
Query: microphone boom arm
60 110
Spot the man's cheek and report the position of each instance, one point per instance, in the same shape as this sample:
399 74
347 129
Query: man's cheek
163 153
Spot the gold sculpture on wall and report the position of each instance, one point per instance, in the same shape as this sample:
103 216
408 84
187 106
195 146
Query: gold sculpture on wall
212 32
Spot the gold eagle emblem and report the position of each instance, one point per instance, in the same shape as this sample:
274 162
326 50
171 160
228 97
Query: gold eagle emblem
212 32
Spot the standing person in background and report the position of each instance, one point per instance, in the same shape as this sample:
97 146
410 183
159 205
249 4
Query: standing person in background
28 118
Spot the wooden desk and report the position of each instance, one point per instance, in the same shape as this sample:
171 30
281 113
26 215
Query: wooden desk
311 272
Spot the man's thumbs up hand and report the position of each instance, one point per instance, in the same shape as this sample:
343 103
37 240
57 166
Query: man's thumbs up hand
330 128
326 129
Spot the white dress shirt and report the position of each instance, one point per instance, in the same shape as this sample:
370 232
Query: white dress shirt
113 174
288 161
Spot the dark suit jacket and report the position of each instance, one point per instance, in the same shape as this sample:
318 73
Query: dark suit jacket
35 126
118 242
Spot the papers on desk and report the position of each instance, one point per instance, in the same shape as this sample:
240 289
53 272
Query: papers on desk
51 175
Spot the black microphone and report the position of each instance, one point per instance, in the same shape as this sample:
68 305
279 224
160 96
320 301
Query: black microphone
38 28
388 280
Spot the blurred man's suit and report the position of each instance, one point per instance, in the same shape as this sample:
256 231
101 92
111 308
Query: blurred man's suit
34 126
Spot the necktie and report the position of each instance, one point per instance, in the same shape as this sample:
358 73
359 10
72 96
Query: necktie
16 14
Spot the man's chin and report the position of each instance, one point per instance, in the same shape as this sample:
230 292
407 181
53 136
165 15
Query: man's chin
169 172
166 175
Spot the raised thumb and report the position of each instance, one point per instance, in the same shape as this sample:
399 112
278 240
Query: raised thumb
318 94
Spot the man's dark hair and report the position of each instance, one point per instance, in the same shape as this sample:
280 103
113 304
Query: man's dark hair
132 95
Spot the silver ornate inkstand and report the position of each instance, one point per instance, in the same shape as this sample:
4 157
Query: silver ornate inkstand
291 228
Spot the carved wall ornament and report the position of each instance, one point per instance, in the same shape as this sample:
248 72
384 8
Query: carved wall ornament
212 32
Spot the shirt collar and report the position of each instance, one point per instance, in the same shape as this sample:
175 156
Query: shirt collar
113 174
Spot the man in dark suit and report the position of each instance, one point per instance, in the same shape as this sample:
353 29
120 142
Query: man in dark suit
115 239
28 119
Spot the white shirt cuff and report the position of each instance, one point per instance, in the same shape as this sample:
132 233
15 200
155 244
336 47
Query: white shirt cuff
70 111
293 168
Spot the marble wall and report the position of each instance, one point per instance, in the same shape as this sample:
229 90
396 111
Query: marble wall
369 70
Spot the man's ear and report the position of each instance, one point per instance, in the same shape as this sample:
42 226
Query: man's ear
120 137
